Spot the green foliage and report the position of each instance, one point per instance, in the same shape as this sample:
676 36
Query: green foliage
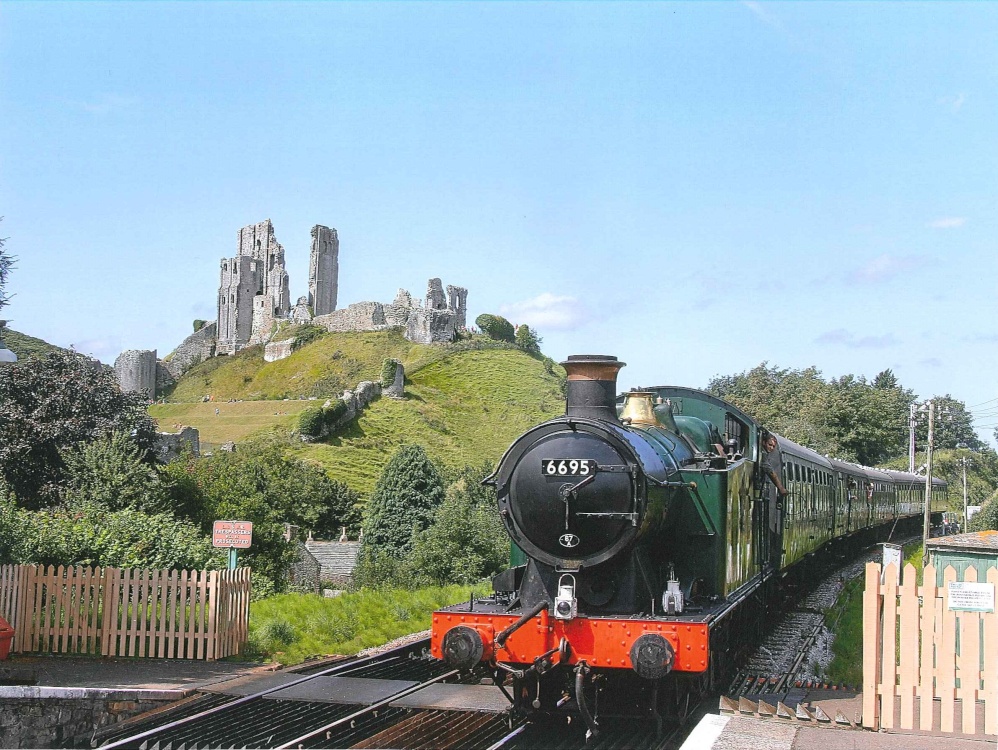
847 417
334 412
496 327
953 425
404 501
294 627
91 535
388 368
306 334
110 473
467 542
528 340
258 483
199 324
51 403
310 422
6 265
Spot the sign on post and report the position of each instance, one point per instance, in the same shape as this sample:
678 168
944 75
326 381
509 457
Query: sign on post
237 534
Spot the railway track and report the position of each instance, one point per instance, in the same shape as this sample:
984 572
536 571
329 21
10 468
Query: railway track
397 699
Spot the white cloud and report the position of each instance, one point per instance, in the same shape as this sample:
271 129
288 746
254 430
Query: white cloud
953 102
885 268
842 337
547 311
931 362
105 104
947 222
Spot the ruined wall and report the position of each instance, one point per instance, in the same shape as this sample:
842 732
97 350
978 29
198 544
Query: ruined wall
323 270
239 280
258 241
169 445
263 319
360 316
276 350
136 371
397 313
193 350
457 303
300 313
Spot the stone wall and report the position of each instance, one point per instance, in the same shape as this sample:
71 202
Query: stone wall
397 388
193 350
276 350
69 717
323 270
304 574
360 316
238 283
136 371
169 445
263 319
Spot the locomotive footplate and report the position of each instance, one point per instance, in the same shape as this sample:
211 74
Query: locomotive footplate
600 642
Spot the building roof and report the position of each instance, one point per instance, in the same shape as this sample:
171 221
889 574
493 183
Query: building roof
983 541
336 559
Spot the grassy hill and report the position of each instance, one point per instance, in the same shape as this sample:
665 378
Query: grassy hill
465 402
25 346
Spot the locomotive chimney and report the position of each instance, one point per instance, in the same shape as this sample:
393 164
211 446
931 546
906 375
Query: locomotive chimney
592 386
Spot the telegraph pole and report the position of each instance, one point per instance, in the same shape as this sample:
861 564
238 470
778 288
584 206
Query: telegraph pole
964 462
911 439
928 483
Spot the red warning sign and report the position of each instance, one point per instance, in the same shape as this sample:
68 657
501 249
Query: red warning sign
237 534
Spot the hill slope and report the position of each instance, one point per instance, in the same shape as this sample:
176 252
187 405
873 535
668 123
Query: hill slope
465 402
25 346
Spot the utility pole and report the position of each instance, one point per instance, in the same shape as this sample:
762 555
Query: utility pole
964 462
928 483
911 439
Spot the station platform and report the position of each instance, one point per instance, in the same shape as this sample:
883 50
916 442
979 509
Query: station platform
61 676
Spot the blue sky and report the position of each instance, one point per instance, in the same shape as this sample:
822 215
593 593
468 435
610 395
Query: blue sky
692 187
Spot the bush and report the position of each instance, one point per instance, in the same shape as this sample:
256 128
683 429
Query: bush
306 335
199 324
111 474
496 327
334 413
528 340
310 422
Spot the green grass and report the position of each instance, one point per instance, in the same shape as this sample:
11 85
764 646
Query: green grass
235 420
25 346
291 628
322 368
845 620
465 402
463 409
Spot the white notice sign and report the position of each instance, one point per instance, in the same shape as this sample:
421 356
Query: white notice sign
971 597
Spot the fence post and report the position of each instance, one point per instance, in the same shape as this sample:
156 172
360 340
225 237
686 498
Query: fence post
871 646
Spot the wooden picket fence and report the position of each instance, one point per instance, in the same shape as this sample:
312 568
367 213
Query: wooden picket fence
925 666
167 614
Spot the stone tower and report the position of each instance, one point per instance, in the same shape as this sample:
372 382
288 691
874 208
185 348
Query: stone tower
253 288
136 371
323 270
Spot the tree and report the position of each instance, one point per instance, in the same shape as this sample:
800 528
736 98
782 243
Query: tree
496 327
51 403
6 264
405 498
528 340
467 542
110 473
953 425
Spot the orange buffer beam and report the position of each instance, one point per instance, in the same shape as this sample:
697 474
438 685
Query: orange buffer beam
600 642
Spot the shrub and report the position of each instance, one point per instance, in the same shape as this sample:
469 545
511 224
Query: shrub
306 335
334 412
528 340
199 324
496 327
310 422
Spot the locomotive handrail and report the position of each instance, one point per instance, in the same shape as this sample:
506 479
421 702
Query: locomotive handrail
524 619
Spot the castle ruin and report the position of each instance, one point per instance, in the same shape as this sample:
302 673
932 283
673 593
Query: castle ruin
254 295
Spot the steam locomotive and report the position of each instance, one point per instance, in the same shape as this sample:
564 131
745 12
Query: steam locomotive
646 553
